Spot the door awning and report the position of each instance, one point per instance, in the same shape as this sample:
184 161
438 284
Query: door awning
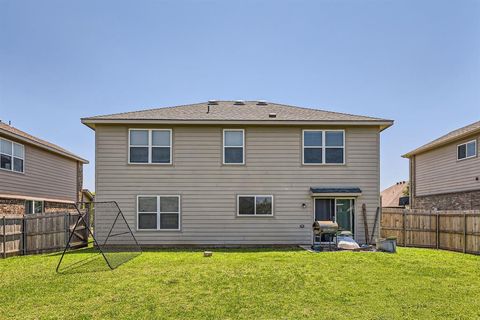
335 191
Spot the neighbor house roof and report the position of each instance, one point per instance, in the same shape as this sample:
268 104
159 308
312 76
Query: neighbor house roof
20 135
391 196
240 112
449 137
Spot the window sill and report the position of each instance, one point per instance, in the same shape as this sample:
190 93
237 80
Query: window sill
257 216
468 158
11 171
323 164
159 230
150 164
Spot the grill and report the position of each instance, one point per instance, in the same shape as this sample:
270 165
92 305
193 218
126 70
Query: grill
324 233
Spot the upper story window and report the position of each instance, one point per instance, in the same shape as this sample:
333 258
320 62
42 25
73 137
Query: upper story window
233 146
467 150
323 147
150 146
255 205
12 156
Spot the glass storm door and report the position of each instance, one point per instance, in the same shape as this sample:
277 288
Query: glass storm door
345 214
324 209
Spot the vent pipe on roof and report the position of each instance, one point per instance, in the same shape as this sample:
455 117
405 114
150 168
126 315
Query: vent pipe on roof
211 103
239 102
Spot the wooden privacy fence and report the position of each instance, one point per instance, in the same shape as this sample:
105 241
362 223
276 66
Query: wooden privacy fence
448 230
39 233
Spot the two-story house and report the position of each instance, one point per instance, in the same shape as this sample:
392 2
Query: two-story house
445 173
226 173
36 176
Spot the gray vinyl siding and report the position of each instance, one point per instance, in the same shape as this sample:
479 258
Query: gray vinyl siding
438 171
209 189
46 176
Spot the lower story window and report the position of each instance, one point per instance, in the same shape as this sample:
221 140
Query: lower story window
158 212
255 205
33 206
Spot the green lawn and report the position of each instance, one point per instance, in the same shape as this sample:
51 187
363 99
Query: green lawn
246 284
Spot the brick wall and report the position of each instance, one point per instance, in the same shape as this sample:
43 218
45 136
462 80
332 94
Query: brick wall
12 206
55 207
469 200
17 206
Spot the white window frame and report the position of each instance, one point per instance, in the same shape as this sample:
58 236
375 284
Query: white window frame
465 144
33 206
243 147
12 156
324 147
255 205
158 213
150 146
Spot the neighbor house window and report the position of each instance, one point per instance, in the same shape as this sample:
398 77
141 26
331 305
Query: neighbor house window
150 146
233 146
323 147
34 206
467 150
12 156
158 212
255 206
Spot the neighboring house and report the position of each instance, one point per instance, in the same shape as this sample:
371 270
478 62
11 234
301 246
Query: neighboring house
445 173
228 173
394 196
36 176
87 196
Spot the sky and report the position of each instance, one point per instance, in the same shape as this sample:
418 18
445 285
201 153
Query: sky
416 62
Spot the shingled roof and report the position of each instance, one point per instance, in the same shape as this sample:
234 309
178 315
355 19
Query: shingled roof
449 137
231 111
13 132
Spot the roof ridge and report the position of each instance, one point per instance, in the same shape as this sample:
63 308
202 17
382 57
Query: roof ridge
323 110
233 101
143 110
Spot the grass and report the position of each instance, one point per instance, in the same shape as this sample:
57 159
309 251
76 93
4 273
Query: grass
245 284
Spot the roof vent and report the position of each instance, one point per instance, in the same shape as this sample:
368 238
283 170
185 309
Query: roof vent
214 102
239 102
262 103
272 115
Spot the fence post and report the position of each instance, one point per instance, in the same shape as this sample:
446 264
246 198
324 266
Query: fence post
24 234
437 239
4 237
65 226
404 227
464 232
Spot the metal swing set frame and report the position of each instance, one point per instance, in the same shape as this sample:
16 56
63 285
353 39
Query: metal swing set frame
81 217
